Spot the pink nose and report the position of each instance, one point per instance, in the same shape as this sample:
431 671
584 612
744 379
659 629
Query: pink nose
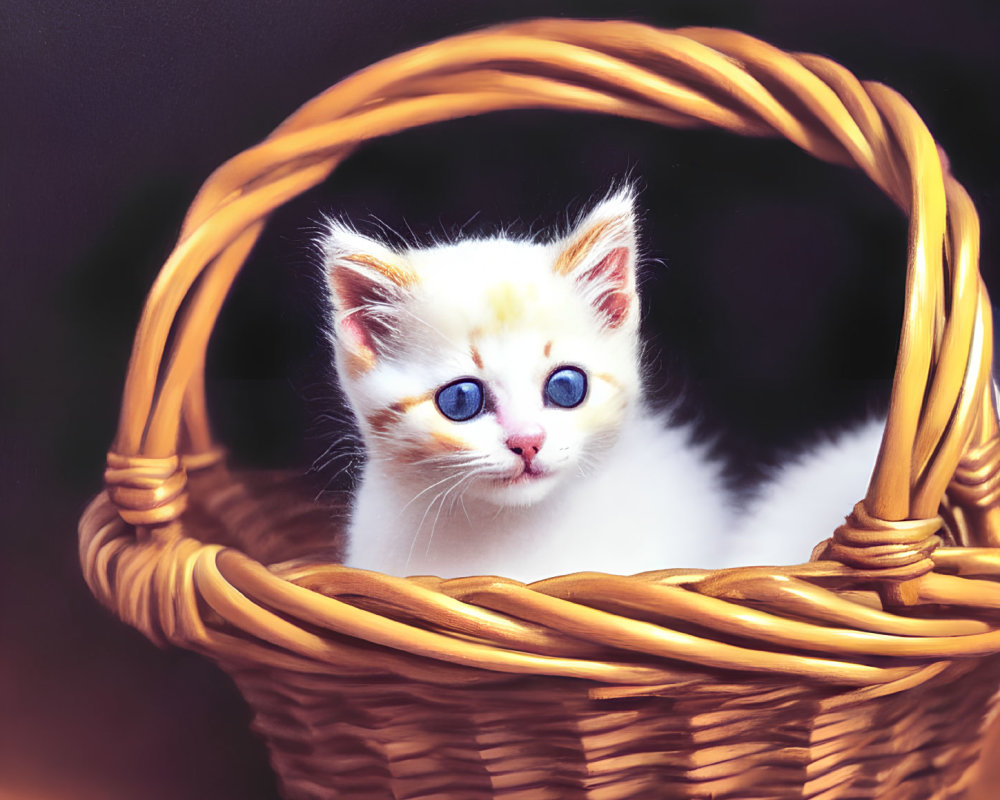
526 442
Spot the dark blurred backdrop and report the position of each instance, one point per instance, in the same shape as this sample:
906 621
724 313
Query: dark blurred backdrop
773 290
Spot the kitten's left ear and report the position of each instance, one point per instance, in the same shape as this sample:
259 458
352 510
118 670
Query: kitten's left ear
368 284
599 254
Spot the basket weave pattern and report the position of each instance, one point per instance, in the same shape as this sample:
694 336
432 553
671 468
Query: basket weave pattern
868 672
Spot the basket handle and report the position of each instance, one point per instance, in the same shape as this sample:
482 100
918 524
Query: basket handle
942 424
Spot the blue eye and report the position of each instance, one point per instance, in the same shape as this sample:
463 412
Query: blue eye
460 400
566 387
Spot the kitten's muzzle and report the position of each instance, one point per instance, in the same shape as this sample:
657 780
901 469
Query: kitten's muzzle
526 443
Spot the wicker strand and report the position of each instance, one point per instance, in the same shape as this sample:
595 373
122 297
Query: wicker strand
977 478
146 491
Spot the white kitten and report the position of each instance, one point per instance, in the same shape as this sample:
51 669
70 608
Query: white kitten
497 386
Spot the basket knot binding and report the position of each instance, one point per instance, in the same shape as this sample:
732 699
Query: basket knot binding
902 547
147 490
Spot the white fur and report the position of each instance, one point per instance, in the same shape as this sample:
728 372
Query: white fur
806 499
619 491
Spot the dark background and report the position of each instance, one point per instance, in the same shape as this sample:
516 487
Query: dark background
773 291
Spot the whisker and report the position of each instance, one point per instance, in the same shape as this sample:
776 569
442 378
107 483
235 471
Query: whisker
416 534
424 491
443 497
331 456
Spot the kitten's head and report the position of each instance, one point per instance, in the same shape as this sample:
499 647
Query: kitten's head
503 366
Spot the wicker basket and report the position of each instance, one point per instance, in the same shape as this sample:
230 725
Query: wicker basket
869 672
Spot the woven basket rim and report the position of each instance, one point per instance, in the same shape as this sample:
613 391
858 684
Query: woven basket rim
941 431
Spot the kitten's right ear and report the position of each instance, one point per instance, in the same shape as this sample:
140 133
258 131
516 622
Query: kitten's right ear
599 255
367 281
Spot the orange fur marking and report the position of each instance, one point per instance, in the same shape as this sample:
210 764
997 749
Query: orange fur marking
448 442
608 378
381 421
404 404
399 276
439 443
359 361
412 455
476 358
548 348
573 255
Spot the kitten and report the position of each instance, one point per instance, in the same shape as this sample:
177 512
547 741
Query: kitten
497 385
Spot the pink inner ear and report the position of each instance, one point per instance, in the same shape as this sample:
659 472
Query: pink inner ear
614 306
614 267
613 272
357 334
356 293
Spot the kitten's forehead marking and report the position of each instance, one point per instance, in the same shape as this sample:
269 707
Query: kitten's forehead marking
477 359
507 302
548 348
